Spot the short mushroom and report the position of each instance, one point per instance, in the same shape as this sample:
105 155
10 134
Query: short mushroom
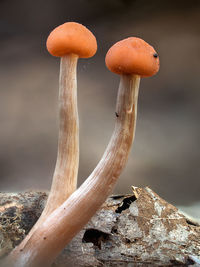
68 219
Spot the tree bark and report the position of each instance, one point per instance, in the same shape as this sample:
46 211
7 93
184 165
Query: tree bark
140 229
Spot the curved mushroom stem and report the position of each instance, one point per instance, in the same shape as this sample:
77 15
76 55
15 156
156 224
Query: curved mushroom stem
66 171
68 219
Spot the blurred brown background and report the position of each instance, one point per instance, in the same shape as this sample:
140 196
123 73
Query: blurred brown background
166 152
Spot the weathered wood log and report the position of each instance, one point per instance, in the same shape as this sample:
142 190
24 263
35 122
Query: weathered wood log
140 229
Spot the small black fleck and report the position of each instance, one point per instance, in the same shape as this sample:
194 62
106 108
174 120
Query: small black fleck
114 230
116 114
128 241
44 237
21 250
155 55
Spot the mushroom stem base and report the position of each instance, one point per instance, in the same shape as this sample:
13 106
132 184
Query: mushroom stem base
65 176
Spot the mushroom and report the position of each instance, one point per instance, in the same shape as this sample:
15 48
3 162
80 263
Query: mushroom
68 41
131 58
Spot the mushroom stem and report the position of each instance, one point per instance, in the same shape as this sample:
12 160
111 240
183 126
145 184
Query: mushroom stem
68 219
65 176
66 170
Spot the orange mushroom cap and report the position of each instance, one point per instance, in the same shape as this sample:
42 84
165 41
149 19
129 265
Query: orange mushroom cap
132 56
71 38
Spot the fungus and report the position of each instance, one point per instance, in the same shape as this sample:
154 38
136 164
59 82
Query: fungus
131 58
68 41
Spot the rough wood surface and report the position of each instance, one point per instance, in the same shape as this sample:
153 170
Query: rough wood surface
129 230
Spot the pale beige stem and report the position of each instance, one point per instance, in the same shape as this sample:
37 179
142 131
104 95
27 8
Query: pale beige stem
65 175
66 170
68 219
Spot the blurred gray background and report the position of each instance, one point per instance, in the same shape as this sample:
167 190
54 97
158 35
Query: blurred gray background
166 153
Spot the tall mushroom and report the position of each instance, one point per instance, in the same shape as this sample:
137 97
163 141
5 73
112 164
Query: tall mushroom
68 41
131 58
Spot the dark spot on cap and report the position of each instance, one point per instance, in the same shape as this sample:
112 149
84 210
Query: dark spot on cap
155 55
